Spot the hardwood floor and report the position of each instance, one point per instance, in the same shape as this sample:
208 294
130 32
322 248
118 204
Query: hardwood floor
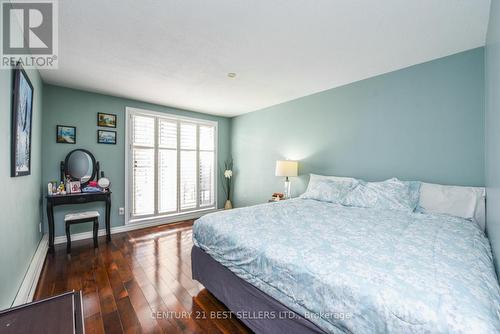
140 282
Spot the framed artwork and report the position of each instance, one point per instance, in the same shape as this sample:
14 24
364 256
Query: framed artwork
106 120
66 134
75 187
106 137
22 114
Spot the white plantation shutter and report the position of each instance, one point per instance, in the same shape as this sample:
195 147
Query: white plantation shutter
207 138
143 165
207 179
188 175
144 181
167 166
173 164
168 134
188 180
144 131
188 136
207 166
167 182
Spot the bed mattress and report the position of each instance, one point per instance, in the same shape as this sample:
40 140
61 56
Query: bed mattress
360 270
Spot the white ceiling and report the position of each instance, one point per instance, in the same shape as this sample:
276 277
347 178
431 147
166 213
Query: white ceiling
178 52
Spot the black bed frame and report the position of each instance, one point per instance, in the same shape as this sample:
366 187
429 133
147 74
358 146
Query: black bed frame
260 312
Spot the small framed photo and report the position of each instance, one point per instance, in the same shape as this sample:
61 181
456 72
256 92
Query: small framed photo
106 120
106 137
75 187
66 134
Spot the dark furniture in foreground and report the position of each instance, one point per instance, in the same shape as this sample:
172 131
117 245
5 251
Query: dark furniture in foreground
79 198
244 299
60 314
78 218
172 242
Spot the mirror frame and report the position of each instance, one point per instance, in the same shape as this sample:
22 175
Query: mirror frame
95 169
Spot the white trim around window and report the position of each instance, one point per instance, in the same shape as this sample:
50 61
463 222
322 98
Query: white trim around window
154 214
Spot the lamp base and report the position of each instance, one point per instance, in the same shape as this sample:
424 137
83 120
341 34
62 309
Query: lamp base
287 190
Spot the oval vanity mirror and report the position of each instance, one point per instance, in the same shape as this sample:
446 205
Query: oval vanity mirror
80 165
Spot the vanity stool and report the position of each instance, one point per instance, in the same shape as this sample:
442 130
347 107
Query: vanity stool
81 217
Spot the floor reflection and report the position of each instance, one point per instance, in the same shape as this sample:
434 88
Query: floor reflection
139 282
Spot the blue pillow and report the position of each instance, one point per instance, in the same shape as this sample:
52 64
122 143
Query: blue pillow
327 190
391 194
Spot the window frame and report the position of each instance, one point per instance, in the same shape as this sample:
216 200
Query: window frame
129 218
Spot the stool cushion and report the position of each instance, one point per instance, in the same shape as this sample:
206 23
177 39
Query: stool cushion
81 215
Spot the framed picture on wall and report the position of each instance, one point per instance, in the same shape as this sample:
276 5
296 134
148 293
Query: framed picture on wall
106 120
22 114
106 137
66 134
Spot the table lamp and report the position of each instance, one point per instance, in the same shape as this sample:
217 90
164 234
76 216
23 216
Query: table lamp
286 168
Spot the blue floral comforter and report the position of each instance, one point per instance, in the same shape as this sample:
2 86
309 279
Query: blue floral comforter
361 270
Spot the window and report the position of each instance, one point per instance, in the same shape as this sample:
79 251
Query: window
171 164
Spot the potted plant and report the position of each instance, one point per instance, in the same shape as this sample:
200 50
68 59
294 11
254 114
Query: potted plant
227 177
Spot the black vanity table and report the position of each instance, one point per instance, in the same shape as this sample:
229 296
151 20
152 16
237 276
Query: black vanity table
79 165
78 198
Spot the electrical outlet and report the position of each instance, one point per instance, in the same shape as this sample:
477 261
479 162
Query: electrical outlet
121 211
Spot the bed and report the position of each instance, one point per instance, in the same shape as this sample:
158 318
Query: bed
308 266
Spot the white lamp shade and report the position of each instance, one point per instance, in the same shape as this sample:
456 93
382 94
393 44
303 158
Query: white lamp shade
286 168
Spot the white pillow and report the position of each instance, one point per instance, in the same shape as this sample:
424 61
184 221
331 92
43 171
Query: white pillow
465 202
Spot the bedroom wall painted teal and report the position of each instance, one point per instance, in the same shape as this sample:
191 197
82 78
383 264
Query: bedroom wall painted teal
492 143
78 108
20 198
425 122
